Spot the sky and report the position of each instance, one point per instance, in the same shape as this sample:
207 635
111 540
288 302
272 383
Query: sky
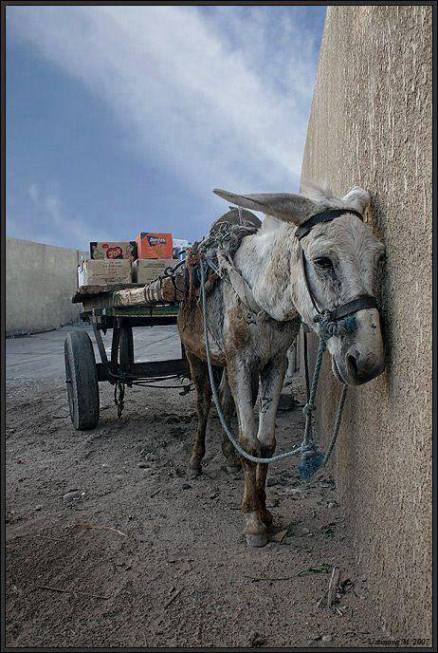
121 119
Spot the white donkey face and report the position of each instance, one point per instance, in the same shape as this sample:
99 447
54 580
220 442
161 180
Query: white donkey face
343 261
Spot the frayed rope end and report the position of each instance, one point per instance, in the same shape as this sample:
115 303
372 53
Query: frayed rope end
311 461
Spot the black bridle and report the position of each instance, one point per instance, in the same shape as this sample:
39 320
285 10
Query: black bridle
359 303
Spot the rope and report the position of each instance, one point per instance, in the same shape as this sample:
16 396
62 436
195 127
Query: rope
226 237
310 405
312 458
119 395
337 424
239 449
306 364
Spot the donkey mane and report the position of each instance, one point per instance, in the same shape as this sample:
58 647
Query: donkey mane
322 194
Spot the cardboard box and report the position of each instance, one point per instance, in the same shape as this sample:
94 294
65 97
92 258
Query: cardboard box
123 249
146 270
104 272
154 245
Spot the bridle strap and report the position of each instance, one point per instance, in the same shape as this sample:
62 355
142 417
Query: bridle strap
308 286
360 303
323 216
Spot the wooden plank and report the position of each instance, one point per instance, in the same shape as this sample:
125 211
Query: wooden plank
105 302
134 314
130 297
150 369
108 288
162 290
93 292
157 292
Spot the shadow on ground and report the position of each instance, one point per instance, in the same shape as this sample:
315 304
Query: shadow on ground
108 544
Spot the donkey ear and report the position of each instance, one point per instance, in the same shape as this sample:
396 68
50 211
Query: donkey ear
357 199
284 206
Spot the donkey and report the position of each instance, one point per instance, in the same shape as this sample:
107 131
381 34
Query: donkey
312 253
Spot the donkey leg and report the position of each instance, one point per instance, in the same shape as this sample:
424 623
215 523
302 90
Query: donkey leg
271 383
239 377
228 409
199 376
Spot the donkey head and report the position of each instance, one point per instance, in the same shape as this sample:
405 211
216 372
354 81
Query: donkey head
332 263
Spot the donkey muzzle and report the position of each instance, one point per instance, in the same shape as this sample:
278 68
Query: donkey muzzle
360 356
362 367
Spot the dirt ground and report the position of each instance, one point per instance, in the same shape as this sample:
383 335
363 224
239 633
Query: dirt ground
108 544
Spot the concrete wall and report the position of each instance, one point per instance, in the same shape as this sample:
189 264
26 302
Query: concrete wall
370 125
40 282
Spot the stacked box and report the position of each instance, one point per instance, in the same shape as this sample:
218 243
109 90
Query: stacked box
104 272
154 245
146 270
123 249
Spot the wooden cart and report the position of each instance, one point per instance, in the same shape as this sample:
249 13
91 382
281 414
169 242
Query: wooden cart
83 373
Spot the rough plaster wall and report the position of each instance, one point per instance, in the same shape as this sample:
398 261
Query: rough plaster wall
40 282
370 126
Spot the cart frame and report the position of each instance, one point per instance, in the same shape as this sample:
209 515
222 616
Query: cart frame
119 368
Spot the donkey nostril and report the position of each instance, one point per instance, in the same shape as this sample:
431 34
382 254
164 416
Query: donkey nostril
362 366
352 364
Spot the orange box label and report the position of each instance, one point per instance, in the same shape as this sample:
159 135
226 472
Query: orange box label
154 245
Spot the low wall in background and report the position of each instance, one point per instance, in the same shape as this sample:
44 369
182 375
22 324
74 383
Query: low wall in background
371 126
40 282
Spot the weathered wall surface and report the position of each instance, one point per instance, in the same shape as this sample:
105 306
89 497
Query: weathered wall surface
370 126
40 282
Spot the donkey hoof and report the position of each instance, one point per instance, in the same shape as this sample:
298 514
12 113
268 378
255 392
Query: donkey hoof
268 520
193 472
256 539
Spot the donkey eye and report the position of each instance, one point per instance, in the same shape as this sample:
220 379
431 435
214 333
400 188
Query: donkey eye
323 262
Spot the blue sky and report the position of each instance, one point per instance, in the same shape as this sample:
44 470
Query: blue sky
123 119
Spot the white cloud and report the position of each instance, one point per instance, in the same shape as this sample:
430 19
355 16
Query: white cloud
206 91
46 219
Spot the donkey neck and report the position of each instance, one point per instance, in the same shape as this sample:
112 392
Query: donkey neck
265 261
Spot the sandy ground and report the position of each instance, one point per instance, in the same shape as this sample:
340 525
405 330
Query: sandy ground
108 544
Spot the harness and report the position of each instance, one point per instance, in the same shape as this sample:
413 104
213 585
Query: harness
216 252
336 322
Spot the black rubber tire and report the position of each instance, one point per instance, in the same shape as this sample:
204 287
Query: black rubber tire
81 380
126 348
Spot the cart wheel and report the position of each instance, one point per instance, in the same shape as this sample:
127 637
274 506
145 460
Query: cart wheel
81 380
126 347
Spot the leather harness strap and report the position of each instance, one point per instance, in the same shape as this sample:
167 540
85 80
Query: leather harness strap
361 303
323 216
